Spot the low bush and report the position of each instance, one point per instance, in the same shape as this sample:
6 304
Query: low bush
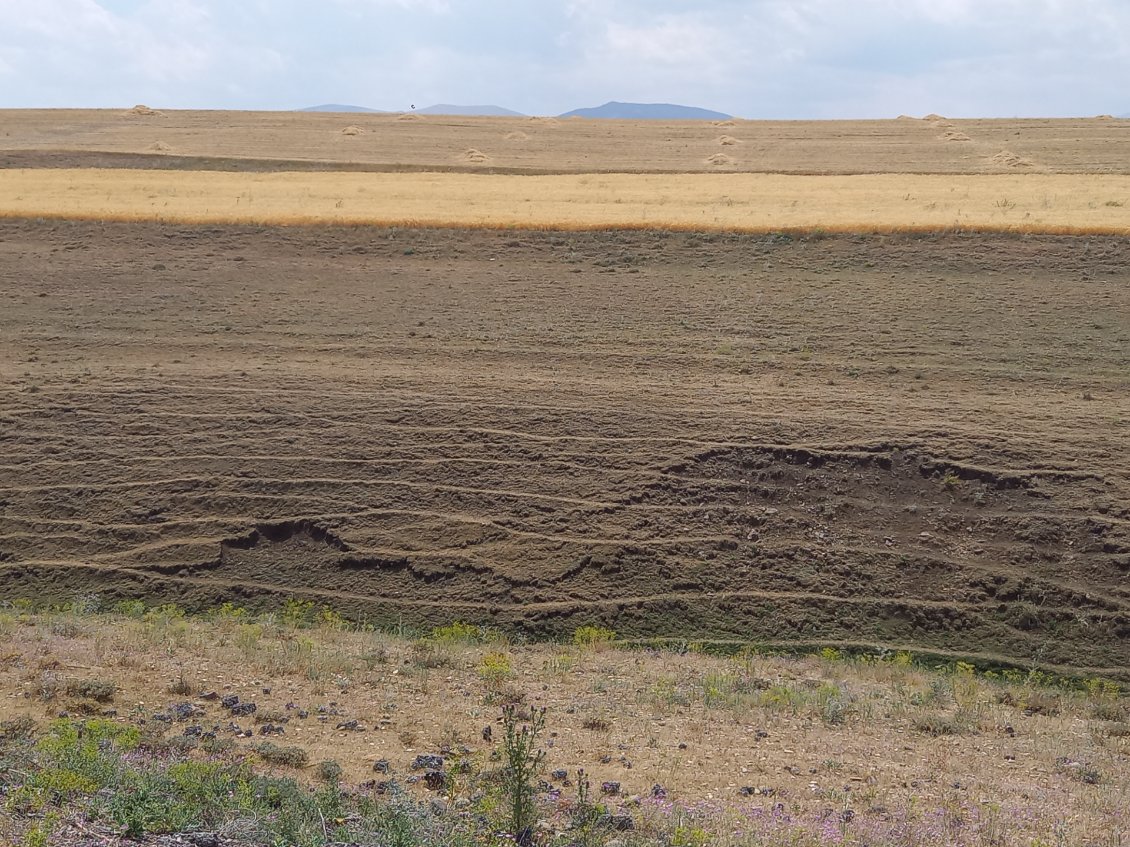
291 757
98 690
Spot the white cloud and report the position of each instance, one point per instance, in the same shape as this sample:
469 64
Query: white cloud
764 58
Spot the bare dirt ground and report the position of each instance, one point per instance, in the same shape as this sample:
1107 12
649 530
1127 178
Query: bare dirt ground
292 140
882 440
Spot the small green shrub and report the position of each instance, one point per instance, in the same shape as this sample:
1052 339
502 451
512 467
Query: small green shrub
98 690
936 725
291 757
458 633
134 609
522 763
329 771
593 636
495 669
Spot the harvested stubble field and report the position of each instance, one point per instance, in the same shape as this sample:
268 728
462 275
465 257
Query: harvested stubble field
263 140
912 441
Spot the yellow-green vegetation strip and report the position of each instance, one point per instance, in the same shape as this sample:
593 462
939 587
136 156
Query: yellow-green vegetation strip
1031 202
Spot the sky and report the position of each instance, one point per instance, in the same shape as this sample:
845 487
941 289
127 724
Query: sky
750 58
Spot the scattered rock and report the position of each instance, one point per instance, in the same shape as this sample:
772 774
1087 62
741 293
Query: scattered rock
611 788
618 823
181 712
381 766
426 761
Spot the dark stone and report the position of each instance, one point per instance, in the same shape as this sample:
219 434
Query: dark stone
427 761
230 702
435 780
611 788
381 766
658 792
183 711
559 775
618 823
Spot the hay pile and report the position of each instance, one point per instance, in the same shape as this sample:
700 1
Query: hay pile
475 157
728 141
545 121
1008 159
719 160
517 136
159 147
144 111
722 123
352 130
408 116
954 135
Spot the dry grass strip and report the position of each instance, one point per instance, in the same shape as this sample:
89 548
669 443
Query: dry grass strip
1054 203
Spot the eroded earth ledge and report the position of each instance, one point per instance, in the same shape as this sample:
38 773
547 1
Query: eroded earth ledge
901 441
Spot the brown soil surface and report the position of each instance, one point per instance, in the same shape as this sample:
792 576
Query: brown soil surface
907 441
223 139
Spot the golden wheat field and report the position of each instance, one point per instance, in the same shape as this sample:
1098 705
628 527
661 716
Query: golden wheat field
741 202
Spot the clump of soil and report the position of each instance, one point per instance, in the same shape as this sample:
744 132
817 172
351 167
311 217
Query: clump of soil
1008 159
409 116
720 160
728 141
954 135
517 136
352 130
722 123
475 157
144 111
545 121
159 147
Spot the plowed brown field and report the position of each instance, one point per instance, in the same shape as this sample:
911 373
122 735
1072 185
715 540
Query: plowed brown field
906 441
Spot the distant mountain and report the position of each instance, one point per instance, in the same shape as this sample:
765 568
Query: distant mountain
336 107
469 111
647 111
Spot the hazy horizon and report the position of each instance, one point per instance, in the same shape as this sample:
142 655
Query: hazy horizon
785 59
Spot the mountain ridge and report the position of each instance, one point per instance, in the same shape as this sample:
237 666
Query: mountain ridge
616 110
